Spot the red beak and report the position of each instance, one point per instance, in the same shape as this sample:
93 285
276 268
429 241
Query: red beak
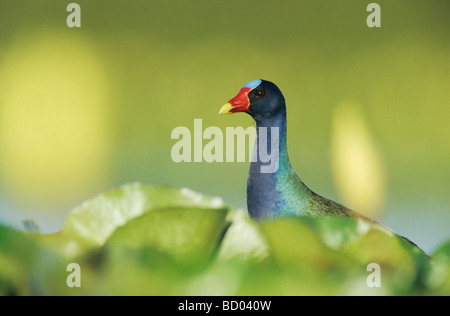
239 103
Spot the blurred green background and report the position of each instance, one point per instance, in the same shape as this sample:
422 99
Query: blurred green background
86 109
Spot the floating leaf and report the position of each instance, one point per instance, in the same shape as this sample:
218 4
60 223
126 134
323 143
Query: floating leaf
183 233
91 224
243 239
146 240
17 253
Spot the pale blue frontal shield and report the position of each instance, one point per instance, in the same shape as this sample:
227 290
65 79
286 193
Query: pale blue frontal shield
252 84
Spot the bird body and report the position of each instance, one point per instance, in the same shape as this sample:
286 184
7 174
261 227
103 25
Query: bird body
280 193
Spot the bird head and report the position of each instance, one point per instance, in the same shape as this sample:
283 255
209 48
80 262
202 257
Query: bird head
259 98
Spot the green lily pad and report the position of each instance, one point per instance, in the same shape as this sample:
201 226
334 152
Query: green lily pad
146 240
183 233
438 276
91 224
17 253
243 240
25 267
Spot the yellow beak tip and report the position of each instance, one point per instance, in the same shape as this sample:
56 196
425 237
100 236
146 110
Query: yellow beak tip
225 109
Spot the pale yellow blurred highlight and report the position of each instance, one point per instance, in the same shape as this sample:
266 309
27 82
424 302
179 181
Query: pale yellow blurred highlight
55 127
357 164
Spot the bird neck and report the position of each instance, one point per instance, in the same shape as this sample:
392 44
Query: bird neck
277 193
272 131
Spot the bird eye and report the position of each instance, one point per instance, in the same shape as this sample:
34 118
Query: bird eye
260 93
